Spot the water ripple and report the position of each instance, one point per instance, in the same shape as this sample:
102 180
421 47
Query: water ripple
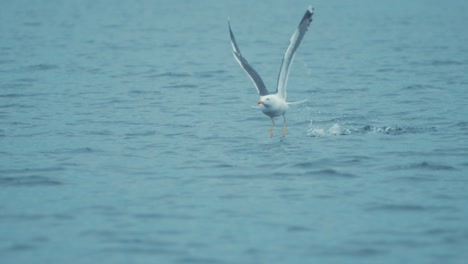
42 67
33 180
410 208
425 166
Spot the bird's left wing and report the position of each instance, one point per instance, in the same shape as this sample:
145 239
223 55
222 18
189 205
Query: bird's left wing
289 54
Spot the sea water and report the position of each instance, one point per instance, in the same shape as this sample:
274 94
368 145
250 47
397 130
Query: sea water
127 133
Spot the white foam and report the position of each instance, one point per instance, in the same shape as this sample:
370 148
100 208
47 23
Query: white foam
334 130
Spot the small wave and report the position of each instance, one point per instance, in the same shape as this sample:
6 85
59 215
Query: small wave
353 252
421 87
143 92
334 173
15 85
210 74
169 74
6 61
17 95
447 63
33 170
442 231
409 208
141 134
16 106
462 126
430 166
28 181
22 217
298 228
81 151
32 24
22 247
176 86
42 67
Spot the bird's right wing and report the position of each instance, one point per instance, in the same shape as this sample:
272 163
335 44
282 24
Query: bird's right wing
254 76
291 50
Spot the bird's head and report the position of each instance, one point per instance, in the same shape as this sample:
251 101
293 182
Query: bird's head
266 101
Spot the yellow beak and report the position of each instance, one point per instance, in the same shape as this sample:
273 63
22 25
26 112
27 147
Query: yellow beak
260 102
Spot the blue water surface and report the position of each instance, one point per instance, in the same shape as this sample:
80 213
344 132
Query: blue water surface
127 133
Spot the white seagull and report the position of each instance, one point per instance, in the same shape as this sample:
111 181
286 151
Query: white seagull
274 104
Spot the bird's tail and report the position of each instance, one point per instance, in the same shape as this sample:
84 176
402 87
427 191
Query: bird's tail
296 103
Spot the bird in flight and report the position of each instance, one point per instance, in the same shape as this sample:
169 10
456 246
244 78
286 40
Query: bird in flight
274 104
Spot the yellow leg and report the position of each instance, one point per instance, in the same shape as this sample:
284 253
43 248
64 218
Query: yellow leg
272 126
284 126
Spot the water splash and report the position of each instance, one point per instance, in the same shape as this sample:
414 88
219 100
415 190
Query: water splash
337 129
333 130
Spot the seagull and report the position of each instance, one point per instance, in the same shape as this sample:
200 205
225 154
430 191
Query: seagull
274 104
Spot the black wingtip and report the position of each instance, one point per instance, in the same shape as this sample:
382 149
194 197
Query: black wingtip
307 18
230 31
308 14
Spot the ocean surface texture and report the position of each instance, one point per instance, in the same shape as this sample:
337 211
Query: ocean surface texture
127 133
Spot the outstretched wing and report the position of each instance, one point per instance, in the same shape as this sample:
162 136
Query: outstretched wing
289 55
256 79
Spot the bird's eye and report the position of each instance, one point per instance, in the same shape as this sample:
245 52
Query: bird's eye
268 99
